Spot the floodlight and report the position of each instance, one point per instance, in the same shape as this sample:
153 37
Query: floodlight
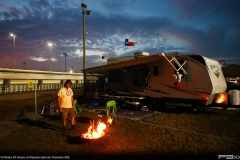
84 6
88 12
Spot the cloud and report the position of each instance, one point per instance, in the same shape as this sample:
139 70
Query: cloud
39 59
205 27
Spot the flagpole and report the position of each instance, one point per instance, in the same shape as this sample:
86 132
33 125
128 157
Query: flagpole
125 47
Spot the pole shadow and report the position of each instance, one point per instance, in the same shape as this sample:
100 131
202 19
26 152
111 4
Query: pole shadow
37 123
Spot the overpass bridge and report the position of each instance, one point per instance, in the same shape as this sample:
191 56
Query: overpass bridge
19 80
20 74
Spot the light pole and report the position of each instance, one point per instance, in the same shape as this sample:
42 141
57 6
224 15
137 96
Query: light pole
14 37
51 45
84 11
79 59
65 54
99 61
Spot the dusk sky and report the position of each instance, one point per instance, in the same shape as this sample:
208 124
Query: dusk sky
207 27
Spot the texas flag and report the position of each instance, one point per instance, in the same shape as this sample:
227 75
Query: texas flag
129 42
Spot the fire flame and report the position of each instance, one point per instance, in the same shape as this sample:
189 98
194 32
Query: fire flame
96 131
222 98
109 121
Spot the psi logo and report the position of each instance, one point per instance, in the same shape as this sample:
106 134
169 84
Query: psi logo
228 157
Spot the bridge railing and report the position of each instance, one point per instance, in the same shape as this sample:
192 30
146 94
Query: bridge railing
16 88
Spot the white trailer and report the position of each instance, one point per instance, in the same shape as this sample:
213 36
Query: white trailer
184 78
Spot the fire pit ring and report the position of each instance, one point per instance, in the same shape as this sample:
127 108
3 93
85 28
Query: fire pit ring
92 138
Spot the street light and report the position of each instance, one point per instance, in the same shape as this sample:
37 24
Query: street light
14 37
65 54
51 45
71 71
84 11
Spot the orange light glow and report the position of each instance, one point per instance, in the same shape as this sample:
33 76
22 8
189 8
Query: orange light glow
207 97
221 99
96 131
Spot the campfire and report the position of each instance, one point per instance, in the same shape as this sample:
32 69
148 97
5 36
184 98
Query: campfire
96 131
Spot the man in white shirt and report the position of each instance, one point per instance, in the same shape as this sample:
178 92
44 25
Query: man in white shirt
66 103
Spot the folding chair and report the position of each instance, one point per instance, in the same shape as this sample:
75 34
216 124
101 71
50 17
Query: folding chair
77 107
111 109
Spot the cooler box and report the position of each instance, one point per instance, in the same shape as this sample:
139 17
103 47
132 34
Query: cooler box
48 108
48 111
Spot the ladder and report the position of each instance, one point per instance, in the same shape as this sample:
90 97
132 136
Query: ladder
176 61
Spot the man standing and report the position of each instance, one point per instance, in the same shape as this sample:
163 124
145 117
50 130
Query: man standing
66 103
